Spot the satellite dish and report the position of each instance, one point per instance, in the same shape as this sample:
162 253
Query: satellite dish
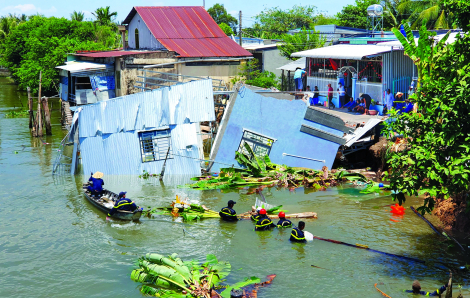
375 10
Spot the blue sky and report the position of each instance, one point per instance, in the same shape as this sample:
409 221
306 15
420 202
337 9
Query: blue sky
249 8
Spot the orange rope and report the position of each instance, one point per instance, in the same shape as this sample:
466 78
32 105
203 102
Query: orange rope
381 291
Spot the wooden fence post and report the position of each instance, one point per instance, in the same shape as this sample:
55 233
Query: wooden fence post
47 116
30 106
39 113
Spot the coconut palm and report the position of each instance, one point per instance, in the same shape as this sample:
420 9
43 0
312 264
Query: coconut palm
8 23
77 16
104 16
430 10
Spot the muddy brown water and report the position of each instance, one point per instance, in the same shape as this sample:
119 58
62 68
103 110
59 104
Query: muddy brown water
53 243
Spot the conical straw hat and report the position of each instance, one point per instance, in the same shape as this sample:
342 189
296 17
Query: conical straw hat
98 175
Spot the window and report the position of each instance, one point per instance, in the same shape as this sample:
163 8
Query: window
136 36
260 145
155 144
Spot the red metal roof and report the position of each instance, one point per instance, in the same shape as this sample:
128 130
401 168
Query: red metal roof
111 53
187 30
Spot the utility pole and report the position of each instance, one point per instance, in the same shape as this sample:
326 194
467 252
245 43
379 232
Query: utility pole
204 4
240 27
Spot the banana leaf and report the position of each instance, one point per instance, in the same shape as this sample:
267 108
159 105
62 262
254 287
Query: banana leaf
167 273
161 260
373 187
222 269
138 275
211 260
238 285
274 209
259 162
150 291
190 217
172 294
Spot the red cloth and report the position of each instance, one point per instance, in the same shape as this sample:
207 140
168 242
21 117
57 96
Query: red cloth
334 65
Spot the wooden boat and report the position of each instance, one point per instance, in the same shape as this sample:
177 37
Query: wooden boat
109 198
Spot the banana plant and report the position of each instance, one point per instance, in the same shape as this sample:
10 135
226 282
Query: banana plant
421 54
162 276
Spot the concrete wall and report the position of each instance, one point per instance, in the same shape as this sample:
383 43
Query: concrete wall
273 118
146 38
272 59
216 72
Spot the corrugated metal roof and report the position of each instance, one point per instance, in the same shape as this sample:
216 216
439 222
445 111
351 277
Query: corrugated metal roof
112 54
343 51
358 133
187 30
294 64
183 103
74 67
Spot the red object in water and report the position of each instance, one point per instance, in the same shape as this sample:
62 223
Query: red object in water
397 209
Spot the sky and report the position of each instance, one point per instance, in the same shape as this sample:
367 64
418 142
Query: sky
61 8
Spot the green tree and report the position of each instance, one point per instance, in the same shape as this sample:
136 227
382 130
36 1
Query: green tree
104 16
355 15
436 158
324 19
304 40
41 44
251 72
77 16
220 15
226 28
278 21
431 10
8 24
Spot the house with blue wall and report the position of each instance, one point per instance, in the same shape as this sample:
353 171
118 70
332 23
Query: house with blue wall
131 134
289 131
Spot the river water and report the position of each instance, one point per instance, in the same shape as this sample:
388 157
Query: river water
53 243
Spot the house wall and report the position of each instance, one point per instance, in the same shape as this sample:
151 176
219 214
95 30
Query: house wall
272 59
277 119
120 153
146 38
217 72
396 65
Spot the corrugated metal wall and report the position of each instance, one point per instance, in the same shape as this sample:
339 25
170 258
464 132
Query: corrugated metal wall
109 130
120 153
396 65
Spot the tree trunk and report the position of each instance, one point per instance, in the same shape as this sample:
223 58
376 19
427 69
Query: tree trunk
30 106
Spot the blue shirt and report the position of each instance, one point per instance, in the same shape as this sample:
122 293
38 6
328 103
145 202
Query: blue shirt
124 204
350 104
297 235
298 73
97 184
284 223
264 223
228 214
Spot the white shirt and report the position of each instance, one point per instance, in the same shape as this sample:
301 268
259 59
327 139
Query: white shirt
389 100
341 91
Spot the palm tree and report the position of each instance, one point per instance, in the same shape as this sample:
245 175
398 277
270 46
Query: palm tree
104 16
77 16
430 10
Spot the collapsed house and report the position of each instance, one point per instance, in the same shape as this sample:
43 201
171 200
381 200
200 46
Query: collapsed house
140 132
288 131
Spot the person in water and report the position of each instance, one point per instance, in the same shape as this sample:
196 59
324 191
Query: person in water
227 213
123 204
416 289
283 222
255 217
264 222
96 189
297 235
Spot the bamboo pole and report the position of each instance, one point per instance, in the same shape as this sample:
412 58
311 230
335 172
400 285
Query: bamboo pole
30 106
47 116
449 287
39 113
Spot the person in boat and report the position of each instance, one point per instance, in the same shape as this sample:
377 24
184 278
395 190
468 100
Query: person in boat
283 222
123 204
416 289
96 189
297 234
264 222
227 213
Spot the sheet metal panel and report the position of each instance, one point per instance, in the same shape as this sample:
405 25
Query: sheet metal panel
208 47
120 153
358 133
190 102
343 51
